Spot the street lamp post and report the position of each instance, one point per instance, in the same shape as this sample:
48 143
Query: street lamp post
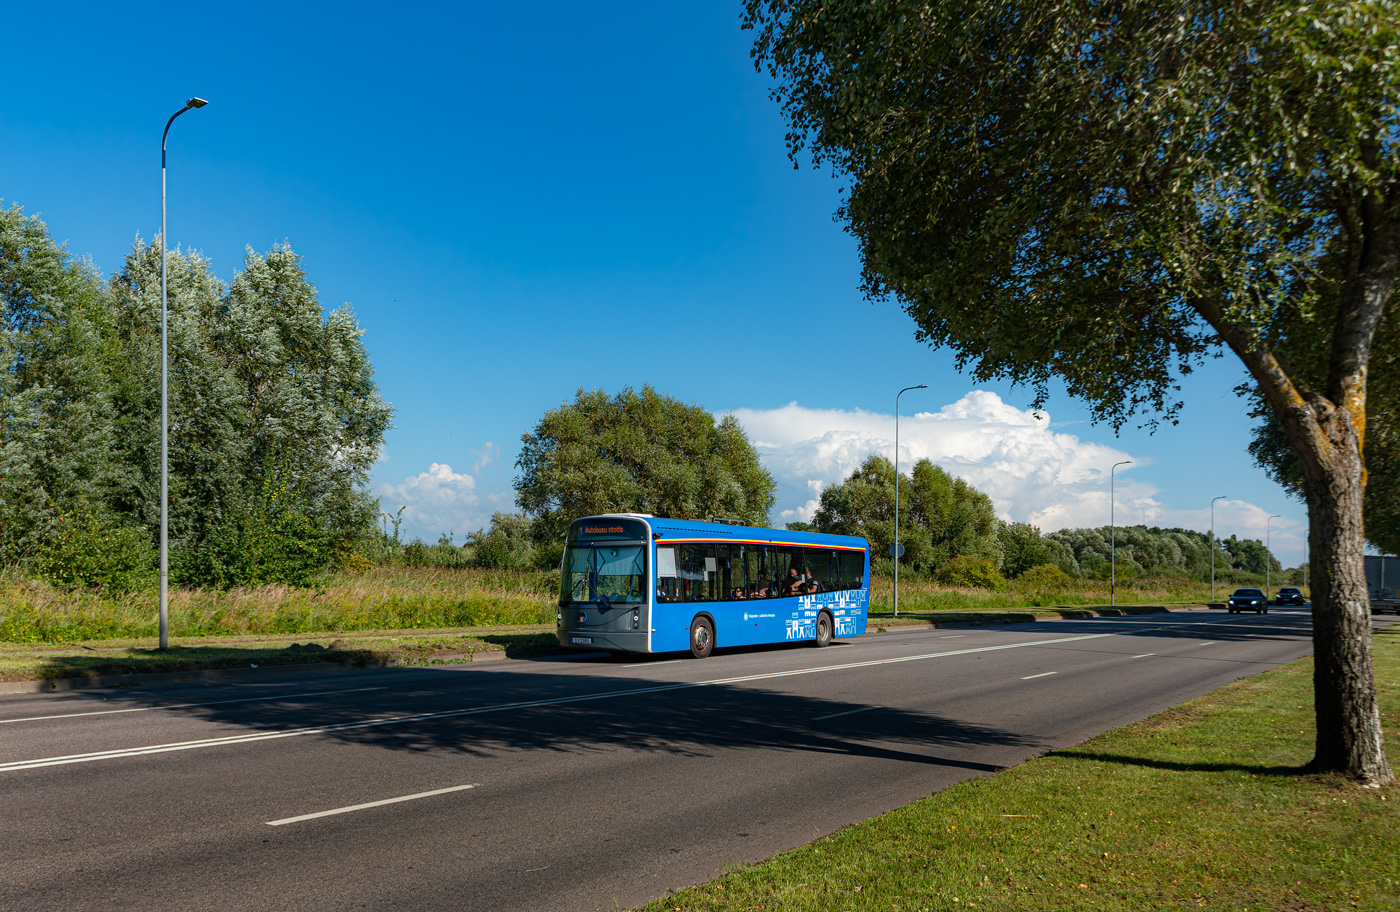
1306 541
1113 539
894 549
1212 546
164 396
1268 556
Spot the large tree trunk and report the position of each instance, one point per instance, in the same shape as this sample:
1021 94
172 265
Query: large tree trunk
1327 433
1327 429
1349 736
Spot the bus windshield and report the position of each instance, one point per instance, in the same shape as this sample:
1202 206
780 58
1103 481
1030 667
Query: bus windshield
603 572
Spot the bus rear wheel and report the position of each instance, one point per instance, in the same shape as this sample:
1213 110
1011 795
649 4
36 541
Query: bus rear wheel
702 637
823 630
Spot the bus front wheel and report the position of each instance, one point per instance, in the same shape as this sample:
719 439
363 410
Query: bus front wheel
823 629
702 637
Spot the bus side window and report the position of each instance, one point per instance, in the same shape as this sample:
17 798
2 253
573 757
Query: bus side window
787 569
691 570
734 576
756 563
724 563
821 567
665 574
852 569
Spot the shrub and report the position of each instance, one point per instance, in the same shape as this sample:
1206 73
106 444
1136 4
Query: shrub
972 573
1044 576
507 544
548 557
267 538
95 549
357 562
415 553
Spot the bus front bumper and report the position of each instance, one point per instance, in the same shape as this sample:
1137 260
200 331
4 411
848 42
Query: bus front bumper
616 640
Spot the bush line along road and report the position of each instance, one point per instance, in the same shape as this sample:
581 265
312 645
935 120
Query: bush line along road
558 783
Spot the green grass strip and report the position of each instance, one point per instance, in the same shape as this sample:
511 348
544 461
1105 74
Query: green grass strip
1203 806
98 658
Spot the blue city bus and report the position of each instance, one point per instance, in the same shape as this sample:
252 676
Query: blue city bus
629 582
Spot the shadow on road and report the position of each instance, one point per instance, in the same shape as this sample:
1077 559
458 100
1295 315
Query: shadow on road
473 713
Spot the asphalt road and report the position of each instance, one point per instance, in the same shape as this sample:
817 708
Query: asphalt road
556 784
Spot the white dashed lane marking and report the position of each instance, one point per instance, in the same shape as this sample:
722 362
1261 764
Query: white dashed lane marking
368 804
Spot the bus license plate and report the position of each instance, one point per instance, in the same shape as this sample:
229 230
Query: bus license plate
582 641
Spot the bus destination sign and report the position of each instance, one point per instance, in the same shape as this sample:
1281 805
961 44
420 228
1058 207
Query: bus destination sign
608 529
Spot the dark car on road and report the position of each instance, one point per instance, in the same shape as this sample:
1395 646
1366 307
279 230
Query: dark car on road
1289 596
1248 600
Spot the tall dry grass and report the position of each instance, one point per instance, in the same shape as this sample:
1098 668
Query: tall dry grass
920 594
380 598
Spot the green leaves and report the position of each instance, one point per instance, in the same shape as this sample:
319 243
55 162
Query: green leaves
940 517
55 424
1050 189
638 453
265 389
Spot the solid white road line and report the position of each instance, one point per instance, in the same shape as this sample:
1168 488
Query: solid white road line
141 709
368 804
17 765
956 636
849 712
1043 674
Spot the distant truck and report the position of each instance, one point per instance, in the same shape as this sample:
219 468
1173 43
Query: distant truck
1378 568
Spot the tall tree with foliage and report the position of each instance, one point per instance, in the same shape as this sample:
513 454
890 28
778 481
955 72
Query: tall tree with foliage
940 517
1108 191
1023 547
56 421
638 452
275 417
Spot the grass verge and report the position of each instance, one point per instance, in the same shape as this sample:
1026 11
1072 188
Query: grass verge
883 621
30 662
1204 806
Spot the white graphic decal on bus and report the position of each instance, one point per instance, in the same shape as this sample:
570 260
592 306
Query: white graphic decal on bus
845 608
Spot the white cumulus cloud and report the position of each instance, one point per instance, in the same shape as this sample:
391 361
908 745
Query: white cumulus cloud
485 456
437 500
1032 471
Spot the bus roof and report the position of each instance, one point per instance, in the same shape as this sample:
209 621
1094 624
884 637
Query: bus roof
694 530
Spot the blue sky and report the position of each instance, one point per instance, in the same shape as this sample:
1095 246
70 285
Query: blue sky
519 200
